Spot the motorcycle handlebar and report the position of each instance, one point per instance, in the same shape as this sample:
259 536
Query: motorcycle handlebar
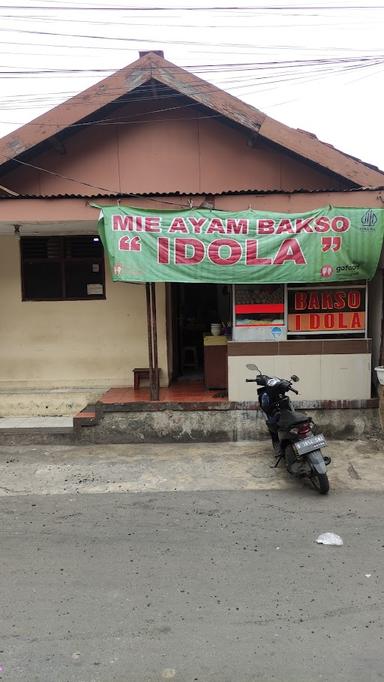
262 381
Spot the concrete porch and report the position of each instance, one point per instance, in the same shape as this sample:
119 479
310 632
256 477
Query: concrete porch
188 412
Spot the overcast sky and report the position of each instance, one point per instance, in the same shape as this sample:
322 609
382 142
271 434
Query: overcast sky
316 65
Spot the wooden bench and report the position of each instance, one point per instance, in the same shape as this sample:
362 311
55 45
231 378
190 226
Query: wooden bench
141 373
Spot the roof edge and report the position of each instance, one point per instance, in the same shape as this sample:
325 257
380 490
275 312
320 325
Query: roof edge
152 65
74 109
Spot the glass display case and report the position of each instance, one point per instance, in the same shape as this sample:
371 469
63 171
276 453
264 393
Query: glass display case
259 312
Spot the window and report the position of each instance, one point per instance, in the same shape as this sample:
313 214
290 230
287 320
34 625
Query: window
62 268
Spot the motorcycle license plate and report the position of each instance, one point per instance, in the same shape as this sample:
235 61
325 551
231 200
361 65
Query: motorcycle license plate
309 444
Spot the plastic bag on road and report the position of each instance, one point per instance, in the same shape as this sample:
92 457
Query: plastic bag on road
329 539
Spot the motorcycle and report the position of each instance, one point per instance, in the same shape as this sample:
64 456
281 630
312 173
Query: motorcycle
291 432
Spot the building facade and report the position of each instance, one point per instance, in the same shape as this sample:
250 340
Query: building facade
155 137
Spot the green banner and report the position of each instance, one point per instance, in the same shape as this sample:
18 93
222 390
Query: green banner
199 245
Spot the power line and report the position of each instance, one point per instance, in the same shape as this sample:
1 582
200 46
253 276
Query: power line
239 66
96 49
240 83
174 21
274 65
244 75
197 8
88 184
124 121
126 39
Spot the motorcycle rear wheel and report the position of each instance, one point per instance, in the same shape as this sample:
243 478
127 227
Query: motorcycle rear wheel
320 482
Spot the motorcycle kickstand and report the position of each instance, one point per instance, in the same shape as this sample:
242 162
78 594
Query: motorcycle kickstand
278 460
278 454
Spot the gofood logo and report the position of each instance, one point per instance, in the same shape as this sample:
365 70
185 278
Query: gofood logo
351 267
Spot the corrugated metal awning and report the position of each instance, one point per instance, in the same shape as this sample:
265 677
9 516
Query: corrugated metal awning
229 192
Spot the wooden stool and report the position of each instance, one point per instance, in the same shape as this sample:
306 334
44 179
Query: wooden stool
140 373
190 357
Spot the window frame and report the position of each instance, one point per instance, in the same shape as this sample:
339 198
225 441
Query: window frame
62 261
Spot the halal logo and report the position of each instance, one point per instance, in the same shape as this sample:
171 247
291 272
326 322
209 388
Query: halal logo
369 218
326 271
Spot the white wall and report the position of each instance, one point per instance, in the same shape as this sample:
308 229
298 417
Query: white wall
375 307
322 377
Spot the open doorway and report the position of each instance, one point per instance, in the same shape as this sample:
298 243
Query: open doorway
194 307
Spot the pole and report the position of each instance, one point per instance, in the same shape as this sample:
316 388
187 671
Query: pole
149 338
152 341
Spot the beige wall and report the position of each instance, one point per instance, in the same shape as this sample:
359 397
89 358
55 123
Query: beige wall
322 377
187 152
34 214
73 343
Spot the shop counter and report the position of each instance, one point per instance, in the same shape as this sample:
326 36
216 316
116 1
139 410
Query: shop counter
329 370
215 362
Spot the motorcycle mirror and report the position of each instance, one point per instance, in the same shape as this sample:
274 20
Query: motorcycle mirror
253 368
295 378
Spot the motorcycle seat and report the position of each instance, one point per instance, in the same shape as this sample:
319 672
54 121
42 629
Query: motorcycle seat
289 419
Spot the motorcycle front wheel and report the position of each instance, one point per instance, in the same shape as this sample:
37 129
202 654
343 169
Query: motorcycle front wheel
320 482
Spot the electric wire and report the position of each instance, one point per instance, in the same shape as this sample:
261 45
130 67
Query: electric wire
254 78
110 191
195 7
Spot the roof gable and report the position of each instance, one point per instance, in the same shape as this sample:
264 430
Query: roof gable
135 149
153 67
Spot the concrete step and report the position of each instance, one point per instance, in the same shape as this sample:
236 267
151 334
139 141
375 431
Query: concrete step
86 417
36 430
48 424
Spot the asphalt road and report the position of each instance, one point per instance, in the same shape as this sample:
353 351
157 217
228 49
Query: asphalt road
222 586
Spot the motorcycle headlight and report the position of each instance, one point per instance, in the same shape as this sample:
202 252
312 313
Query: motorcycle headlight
265 401
273 381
